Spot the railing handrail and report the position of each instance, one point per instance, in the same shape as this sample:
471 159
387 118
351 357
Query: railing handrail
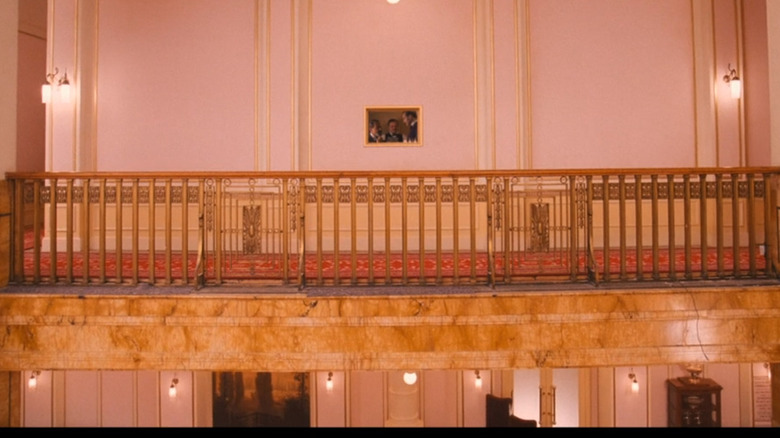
399 173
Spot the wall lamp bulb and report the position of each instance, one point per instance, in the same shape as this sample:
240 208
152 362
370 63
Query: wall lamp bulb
410 378
634 382
172 391
329 382
477 380
734 82
56 83
32 383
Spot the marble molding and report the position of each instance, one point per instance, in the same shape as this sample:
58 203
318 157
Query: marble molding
295 332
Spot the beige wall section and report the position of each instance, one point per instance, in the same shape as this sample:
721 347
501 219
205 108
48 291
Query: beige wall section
242 331
9 19
773 37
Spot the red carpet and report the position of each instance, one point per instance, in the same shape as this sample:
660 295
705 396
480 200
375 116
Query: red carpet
258 267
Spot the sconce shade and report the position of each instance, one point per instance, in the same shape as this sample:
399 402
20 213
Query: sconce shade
46 93
735 84
329 382
56 88
65 88
736 88
634 382
410 378
172 389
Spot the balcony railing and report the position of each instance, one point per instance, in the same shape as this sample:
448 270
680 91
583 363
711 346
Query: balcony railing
395 228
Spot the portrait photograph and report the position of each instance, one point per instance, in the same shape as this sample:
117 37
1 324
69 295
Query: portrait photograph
393 126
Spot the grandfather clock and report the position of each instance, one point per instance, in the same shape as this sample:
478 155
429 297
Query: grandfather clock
693 402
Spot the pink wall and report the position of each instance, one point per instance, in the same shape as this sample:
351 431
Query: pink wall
31 113
756 75
612 84
61 154
176 85
370 53
180 84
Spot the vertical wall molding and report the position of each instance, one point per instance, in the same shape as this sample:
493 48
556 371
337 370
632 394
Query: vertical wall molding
300 67
524 129
49 124
85 82
740 38
262 73
484 86
705 116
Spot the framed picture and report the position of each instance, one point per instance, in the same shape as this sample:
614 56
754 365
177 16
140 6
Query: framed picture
393 126
246 399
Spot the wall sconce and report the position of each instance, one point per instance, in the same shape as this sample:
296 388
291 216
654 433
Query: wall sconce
62 83
392 2
732 79
634 382
172 389
329 382
477 380
410 378
32 383
768 371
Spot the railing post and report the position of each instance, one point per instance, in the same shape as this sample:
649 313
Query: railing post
16 211
490 234
591 267
200 266
285 230
770 224
505 233
302 234
573 226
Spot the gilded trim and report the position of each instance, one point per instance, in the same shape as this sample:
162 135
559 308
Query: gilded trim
476 84
738 17
716 107
49 64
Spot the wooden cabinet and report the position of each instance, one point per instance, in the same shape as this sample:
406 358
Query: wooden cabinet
693 402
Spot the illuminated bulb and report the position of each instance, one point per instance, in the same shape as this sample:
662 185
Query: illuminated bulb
736 88
392 2
33 382
172 389
477 380
735 84
410 378
64 88
329 383
634 382
45 93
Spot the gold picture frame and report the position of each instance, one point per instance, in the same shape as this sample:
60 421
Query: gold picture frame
379 132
